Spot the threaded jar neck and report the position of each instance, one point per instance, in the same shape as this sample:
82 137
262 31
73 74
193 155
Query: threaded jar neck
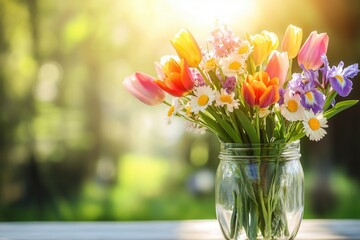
260 151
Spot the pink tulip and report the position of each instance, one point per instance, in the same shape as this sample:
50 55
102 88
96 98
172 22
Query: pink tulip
310 53
278 66
144 88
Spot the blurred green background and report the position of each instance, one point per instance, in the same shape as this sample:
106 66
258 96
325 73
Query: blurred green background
74 145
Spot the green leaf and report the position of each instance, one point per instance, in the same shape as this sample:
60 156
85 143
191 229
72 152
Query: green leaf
215 128
248 126
339 107
226 126
329 99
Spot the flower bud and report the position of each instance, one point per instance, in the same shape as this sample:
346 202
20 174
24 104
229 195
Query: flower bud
292 41
187 48
310 53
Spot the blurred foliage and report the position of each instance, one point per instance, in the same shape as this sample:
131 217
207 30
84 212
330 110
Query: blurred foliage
75 146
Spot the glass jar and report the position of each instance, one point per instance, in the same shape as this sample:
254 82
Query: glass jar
259 190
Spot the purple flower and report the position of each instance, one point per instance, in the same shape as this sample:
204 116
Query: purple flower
198 79
339 78
313 99
296 84
325 69
229 84
305 86
281 93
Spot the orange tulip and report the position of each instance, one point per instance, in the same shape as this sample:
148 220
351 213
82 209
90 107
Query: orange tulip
177 79
260 90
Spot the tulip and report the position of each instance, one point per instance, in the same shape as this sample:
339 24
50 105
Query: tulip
292 41
263 44
177 79
310 53
187 48
278 66
260 90
144 88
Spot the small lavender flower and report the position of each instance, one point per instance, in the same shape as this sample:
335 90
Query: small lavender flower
325 69
198 79
281 93
229 84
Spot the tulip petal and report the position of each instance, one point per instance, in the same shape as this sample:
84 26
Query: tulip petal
249 94
171 91
186 76
140 92
271 95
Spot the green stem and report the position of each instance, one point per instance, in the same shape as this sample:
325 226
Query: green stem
204 76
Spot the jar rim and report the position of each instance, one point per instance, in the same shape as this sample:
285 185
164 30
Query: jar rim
260 151
224 145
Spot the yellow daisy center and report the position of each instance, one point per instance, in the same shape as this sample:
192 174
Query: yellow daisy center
292 106
314 124
226 98
340 78
203 100
235 66
243 49
171 111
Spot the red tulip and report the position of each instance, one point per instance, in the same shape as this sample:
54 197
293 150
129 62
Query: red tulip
144 88
310 53
177 79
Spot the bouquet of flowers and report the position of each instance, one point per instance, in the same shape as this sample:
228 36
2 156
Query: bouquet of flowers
243 91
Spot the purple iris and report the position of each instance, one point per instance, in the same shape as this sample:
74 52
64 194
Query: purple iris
305 86
338 77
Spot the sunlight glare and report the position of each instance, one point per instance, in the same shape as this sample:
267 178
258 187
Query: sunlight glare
205 11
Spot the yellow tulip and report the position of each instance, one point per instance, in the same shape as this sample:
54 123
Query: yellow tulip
263 44
292 41
187 48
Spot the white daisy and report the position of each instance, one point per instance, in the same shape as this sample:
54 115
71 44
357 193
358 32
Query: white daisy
225 99
204 96
314 124
292 109
244 49
233 64
173 109
208 62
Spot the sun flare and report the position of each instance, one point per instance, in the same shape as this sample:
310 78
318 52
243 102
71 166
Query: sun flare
203 11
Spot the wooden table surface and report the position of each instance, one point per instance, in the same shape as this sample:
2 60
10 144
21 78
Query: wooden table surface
160 230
